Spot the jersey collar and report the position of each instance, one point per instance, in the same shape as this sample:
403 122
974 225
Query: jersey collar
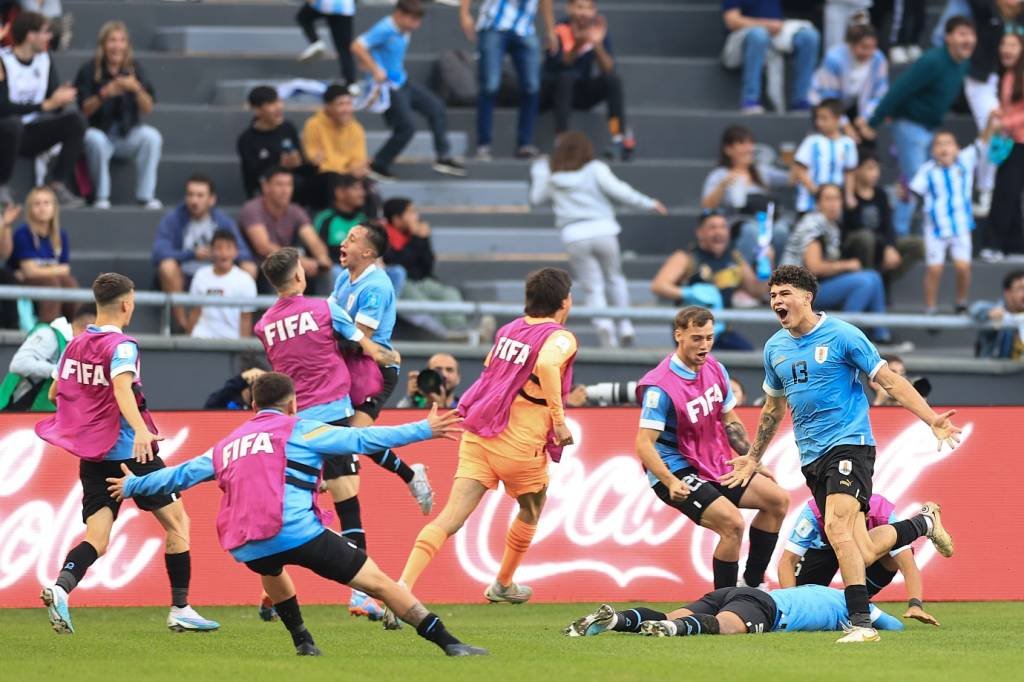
682 370
821 321
105 328
369 268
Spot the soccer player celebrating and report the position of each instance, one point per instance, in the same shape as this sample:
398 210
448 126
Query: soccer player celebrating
808 559
734 611
366 293
268 469
102 419
299 336
687 427
812 364
514 420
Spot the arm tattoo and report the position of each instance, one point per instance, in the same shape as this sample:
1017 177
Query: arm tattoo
737 435
765 432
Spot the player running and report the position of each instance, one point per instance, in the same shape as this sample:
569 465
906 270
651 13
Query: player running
808 559
812 364
269 470
514 421
102 419
687 427
299 335
734 611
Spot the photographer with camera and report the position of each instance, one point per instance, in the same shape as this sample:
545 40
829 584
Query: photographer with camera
434 385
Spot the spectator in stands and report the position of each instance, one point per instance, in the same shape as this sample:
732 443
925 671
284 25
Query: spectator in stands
905 28
236 393
993 19
953 8
710 275
344 213
582 74
222 278
868 235
381 51
757 28
840 15
944 182
184 238
60 23
41 255
917 102
857 74
882 397
8 308
738 391
339 15
583 193
114 94
27 384
843 284
409 246
506 27
1005 237
33 118
1006 341
270 141
740 188
335 143
271 221
826 156
447 367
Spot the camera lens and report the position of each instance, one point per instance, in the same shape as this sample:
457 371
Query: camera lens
428 381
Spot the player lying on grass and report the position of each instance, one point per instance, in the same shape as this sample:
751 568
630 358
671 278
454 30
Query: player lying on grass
735 611
269 470
808 559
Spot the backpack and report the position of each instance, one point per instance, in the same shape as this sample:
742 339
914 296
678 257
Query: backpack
454 79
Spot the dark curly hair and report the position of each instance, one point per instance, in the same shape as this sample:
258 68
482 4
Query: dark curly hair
797 276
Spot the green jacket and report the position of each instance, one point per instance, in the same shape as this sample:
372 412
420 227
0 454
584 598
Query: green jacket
924 93
37 399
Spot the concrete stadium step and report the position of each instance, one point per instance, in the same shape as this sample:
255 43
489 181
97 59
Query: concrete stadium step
459 268
174 170
636 28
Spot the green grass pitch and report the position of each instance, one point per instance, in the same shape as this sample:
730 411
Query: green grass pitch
975 642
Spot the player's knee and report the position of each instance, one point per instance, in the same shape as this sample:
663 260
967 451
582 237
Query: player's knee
778 503
839 528
731 529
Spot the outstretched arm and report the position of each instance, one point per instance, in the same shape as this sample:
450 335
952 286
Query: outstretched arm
787 569
903 392
164 481
915 588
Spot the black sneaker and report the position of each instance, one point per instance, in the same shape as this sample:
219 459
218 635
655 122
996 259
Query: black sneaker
449 166
381 174
461 649
307 649
960 309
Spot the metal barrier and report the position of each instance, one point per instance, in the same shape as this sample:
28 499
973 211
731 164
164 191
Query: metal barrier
478 309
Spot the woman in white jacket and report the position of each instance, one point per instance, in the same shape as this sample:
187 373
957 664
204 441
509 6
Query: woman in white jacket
582 191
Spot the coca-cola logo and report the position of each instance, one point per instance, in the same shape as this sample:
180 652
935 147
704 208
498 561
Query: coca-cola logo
594 518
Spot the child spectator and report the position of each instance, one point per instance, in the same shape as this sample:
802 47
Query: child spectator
339 15
344 213
583 193
506 26
114 94
222 278
826 156
857 74
944 182
270 141
582 74
42 255
381 51
868 234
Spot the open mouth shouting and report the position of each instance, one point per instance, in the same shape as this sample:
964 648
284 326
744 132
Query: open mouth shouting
782 312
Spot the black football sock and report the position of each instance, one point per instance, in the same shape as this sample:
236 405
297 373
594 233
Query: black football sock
857 605
351 521
390 460
878 576
726 572
179 571
630 619
762 545
77 562
290 614
909 530
433 630
696 624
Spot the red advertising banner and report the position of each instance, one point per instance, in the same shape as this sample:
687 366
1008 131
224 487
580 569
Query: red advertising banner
603 536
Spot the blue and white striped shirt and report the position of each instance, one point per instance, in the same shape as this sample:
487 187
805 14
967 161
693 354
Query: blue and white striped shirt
946 191
507 15
827 162
336 7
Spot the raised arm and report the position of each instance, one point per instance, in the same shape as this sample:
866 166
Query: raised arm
666 283
163 481
903 392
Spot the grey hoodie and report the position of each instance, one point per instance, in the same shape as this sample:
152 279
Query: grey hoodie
583 199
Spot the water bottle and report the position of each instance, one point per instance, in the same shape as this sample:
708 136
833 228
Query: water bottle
764 241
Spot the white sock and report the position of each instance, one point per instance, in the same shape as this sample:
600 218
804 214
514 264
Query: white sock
931 524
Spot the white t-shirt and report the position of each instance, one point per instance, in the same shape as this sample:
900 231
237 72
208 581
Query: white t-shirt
199 233
217 322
